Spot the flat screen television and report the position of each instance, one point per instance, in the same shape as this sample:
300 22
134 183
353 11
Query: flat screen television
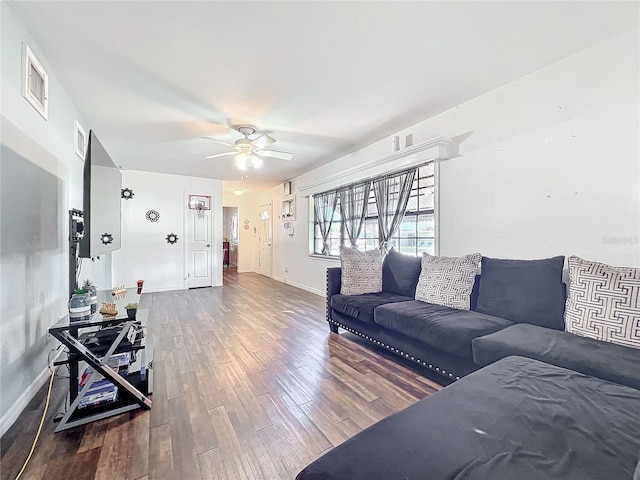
102 188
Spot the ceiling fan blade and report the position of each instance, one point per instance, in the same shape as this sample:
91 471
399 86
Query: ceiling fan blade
220 141
275 154
263 141
220 154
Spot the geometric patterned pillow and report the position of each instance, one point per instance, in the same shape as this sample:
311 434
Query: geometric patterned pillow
603 302
448 281
361 271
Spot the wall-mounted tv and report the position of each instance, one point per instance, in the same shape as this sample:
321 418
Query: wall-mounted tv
102 188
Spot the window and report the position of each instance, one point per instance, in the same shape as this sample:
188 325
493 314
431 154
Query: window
36 83
416 233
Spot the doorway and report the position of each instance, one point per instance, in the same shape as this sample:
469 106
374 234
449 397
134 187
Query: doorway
265 254
230 237
199 245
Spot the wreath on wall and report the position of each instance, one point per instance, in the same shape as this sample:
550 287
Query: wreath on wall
127 193
152 215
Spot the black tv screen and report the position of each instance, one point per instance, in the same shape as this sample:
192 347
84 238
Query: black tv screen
102 189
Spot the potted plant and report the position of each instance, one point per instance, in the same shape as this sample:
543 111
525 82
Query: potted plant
90 288
79 304
131 310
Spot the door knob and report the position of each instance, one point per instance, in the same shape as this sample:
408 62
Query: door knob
208 245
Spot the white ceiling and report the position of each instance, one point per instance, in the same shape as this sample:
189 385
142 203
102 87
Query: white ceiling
323 78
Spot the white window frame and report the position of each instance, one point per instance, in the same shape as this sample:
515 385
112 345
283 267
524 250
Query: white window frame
434 210
31 60
77 129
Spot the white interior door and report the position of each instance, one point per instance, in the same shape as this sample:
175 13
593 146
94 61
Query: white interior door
199 254
265 240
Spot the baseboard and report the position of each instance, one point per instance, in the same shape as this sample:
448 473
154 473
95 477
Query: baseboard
160 289
23 400
301 286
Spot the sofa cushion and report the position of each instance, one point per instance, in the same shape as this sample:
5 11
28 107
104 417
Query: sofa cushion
608 361
361 271
517 419
400 273
361 306
448 329
523 291
448 281
604 302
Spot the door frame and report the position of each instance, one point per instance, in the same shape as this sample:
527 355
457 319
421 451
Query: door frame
271 226
187 237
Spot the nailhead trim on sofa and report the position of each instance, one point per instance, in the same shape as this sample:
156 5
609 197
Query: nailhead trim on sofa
395 350
379 343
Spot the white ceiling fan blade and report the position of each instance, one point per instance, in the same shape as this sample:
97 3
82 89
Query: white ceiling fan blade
220 142
220 154
263 141
275 154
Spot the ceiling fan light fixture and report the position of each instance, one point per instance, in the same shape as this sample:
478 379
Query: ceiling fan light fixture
241 161
256 161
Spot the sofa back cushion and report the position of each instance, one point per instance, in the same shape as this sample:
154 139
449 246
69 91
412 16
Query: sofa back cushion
400 273
448 281
604 302
523 291
361 271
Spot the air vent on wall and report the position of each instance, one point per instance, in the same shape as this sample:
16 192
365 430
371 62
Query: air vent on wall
36 83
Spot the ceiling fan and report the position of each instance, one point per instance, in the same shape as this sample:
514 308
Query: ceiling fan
250 152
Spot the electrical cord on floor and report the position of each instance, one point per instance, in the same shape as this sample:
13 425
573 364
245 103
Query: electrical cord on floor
44 415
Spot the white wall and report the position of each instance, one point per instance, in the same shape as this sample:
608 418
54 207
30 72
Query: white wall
41 178
145 253
548 165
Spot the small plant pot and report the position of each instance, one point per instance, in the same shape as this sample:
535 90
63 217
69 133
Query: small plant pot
131 313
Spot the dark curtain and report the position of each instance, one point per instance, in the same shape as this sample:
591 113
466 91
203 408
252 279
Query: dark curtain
324 205
392 195
353 205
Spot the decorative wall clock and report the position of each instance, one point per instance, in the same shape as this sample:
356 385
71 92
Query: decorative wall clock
152 215
127 193
172 238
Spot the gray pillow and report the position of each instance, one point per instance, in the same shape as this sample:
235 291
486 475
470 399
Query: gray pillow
400 273
523 291
448 281
361 271
604 302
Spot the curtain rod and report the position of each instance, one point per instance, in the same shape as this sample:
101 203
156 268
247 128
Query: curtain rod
372 178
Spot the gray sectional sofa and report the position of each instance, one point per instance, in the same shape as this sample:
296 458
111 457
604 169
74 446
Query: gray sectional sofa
543 404
516 309
517 419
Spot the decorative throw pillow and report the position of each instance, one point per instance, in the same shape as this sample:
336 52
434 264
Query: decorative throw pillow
603 302
523 291
361 271
448 281
400 273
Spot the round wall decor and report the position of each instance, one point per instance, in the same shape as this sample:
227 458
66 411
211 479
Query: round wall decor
106 238
127 193
152 215
172 238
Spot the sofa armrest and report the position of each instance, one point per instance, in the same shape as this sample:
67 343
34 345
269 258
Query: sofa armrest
334 282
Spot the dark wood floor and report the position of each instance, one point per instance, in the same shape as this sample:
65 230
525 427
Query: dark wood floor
249 384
